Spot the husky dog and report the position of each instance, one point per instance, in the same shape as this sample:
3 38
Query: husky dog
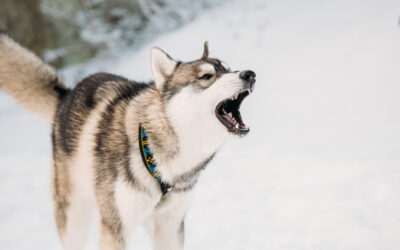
132 151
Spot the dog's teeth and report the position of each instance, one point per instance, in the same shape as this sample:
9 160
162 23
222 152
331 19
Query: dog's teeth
237 126
248 91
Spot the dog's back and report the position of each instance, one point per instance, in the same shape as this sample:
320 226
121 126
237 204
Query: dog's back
75 108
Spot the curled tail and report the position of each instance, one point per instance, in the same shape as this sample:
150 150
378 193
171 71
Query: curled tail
32 83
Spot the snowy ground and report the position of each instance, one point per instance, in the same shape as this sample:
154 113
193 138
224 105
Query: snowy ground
321 166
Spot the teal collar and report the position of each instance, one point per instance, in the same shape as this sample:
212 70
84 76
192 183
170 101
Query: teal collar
149 162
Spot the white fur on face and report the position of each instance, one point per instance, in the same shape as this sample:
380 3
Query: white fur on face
192 115
223 88
197 107
199 132
206 68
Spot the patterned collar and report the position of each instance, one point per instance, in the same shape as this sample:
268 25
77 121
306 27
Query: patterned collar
149 162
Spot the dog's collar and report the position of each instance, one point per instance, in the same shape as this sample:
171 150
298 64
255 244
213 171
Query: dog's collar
149 162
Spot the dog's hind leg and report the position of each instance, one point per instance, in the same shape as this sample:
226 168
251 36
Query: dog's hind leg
72 211
112 230
73 220
110 236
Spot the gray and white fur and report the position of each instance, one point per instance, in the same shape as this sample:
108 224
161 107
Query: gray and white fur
97 164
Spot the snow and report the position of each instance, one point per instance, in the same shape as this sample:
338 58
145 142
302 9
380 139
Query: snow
320 168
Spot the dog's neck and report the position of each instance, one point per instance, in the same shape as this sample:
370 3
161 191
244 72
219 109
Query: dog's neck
162 137
178 147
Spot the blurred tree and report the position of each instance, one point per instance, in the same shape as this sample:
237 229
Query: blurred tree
26 22
23 19
67 32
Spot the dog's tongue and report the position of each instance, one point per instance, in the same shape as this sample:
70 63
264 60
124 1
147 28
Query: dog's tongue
236 125
230 119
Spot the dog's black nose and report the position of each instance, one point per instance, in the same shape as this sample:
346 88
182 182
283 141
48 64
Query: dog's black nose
249 76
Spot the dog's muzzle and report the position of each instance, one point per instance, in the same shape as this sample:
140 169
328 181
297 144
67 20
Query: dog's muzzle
227 111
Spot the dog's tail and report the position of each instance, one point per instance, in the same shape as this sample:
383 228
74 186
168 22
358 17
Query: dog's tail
33 84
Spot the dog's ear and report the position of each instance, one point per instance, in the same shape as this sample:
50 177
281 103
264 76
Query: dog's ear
162 66
205 52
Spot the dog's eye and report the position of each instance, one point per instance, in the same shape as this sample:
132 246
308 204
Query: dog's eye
205 76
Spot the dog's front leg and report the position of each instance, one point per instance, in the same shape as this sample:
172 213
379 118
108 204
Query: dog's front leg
121 210
168 233
168 222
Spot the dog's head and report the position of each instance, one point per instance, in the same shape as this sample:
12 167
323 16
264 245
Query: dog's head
202 95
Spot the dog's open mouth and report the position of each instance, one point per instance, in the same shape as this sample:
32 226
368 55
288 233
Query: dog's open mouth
228 113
